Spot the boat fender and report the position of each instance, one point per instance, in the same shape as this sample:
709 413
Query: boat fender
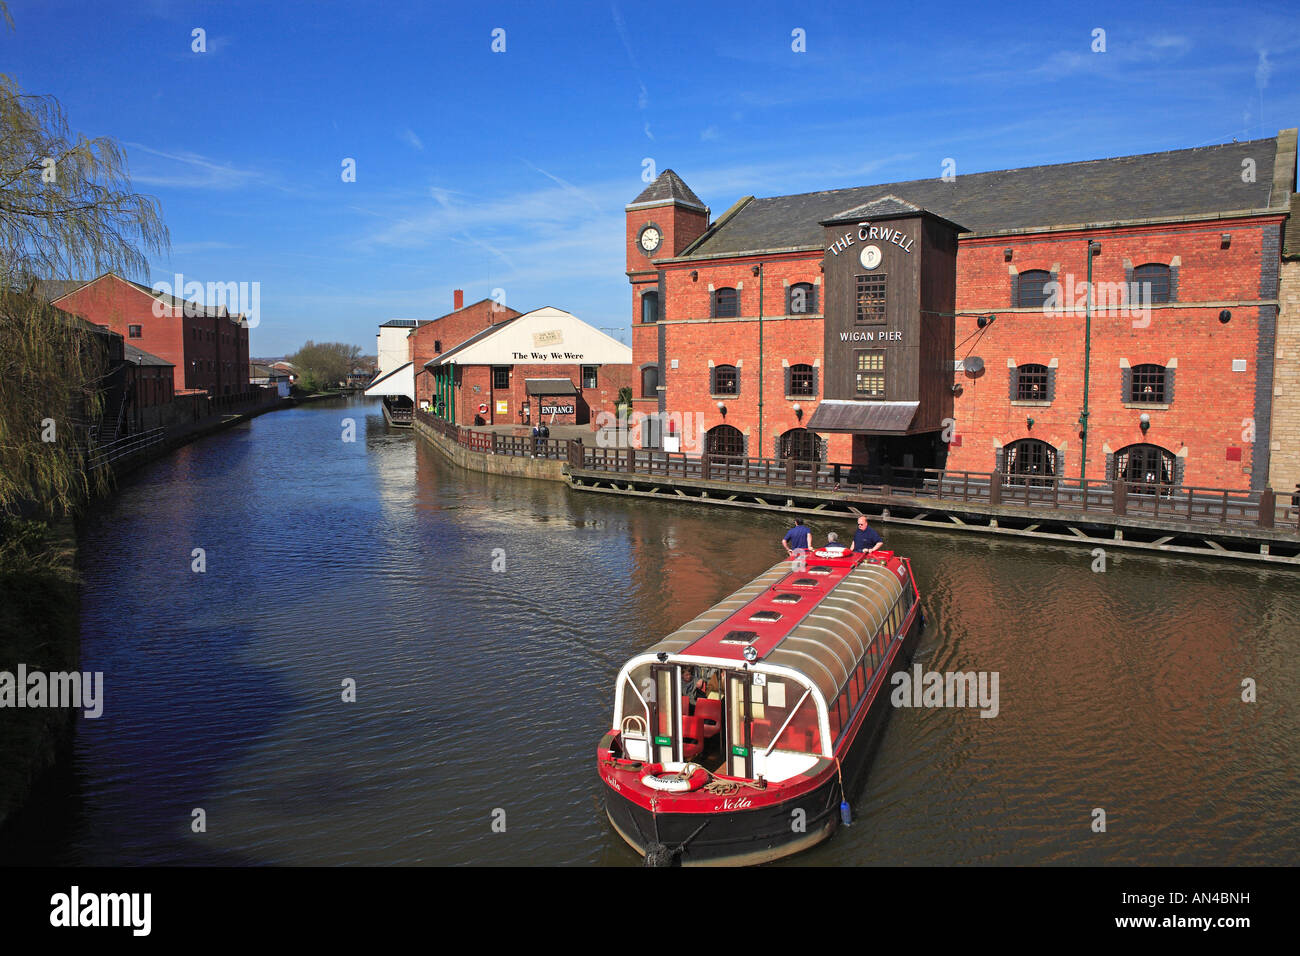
678 778
846 813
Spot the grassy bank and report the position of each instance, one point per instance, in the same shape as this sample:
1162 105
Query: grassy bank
38 627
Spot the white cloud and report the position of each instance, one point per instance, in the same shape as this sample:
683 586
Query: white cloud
1263 70
186 170
408 137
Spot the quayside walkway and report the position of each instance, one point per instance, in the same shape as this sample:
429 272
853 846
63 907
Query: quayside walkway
1256 525
1249 525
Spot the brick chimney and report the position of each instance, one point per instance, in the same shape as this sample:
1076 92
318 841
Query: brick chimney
458 298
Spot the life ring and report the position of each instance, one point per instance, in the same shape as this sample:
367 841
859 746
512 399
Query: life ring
680 777
482 408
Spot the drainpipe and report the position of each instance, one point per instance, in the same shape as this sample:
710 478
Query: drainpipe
758 271
1094 249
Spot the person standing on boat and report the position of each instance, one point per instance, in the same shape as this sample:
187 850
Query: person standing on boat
865 538
798 538
833 543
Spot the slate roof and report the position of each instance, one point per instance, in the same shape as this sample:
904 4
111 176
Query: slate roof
141 357
50 289
884 206
668 186
1185 182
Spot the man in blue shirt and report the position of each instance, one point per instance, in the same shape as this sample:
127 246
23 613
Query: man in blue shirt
865 539
800 536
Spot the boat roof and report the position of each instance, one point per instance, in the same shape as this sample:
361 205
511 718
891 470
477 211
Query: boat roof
818 622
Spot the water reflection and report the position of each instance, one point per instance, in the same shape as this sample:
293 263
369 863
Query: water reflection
478 690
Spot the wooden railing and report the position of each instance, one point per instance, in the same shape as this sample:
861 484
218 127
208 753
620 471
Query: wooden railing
1137 499
557 449
1225 506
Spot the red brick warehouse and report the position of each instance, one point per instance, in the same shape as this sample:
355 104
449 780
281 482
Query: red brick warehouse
207 347
940 323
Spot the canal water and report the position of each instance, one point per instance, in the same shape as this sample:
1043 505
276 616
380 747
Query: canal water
480 694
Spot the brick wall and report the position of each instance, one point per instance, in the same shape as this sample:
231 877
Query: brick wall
588 402
1206 423
449 331
206 352
1285 463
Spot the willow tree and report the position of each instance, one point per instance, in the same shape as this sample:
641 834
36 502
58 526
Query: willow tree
67 212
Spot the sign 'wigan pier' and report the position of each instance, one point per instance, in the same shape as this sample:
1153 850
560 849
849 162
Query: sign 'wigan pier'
890 293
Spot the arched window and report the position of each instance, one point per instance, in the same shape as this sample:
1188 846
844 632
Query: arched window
801 381
799 444
1031 288
724 380
1032 383
650 307
650 381
724 441
1029 460
1150 465
801 299
1152 279
726 303
1148 383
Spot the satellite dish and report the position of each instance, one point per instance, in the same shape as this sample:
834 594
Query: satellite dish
974 364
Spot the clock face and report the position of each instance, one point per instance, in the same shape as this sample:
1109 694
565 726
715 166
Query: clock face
650 238
870 257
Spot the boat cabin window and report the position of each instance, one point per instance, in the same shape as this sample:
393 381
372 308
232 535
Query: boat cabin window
804 583
772 704
819 570
802 733
766 616
787 598
739 637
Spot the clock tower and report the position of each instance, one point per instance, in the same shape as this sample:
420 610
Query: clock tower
661 223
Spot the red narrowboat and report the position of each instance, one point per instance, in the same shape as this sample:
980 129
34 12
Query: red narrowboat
736 738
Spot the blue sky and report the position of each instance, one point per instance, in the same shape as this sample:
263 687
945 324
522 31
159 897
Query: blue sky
482 170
